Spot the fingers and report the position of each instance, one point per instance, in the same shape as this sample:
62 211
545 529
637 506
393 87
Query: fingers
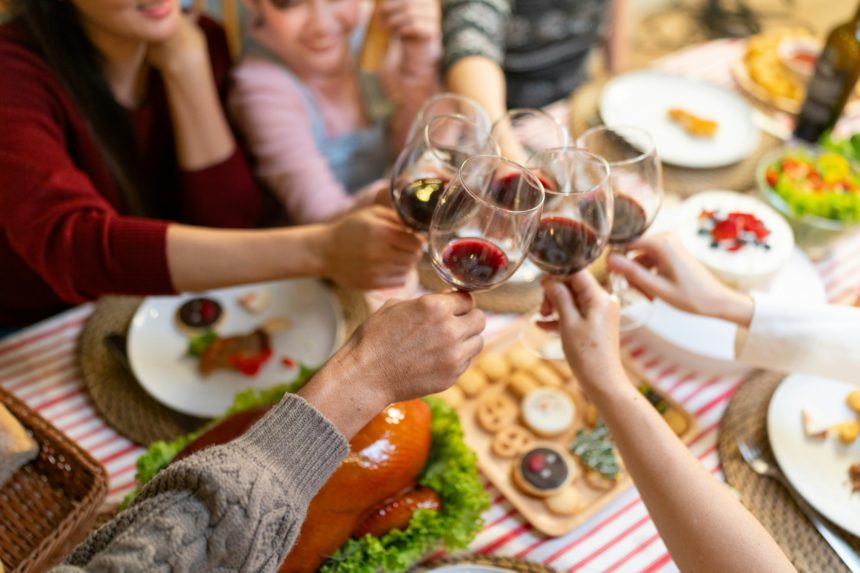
561 298
586 291
641 278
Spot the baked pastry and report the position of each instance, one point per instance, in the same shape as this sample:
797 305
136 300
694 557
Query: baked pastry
494 365
17 448
198 315
522 358
542 471
453 396
496 412
546 375
567 502
472 381
521 383
548 411
693 124
511 441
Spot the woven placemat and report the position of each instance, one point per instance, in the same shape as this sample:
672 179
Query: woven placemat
509 297
502 562
117 395
771 503
584 114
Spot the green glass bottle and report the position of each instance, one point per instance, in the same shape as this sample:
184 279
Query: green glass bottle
836 73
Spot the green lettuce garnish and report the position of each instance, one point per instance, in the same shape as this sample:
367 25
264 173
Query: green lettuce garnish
200 342
451 471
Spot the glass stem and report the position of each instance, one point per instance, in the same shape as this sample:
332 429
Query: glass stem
618 284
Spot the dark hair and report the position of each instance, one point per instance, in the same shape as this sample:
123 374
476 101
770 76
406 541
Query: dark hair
58 34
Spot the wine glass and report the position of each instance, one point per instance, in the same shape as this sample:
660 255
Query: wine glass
637 186
447 103
429 161
523 132
573 230
484 223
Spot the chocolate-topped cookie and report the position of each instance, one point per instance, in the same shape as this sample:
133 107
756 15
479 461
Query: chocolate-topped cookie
199 314
542 471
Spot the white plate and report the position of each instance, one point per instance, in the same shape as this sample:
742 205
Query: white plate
818 470
642 99
157 349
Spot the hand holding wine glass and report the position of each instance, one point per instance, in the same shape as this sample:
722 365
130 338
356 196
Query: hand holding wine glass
637 186
428 163
484 223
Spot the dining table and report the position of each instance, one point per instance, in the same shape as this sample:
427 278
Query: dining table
39 365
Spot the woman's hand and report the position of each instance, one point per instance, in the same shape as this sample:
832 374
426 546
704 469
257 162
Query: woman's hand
370 249
588 325
417 23
665 270
184 51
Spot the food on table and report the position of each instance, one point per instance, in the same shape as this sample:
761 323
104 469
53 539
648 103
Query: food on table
198 315
417 201
543 471
847 431
676 421
629 221
522 358
767 71
453 396
17 448
848 147
256 301
598 481
591 416
521 383
568 502
741 240
548 411
472 381
245 353
510 441
495 412
812 427
853 400
854 477
596 450
693 124
546 375
494 365
397 512
826 185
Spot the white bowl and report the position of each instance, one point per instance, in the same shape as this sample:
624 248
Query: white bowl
752 265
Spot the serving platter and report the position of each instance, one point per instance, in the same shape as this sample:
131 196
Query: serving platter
498 469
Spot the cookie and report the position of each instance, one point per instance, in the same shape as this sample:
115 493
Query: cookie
511 441
853 400
568 502
494 365
595 480
197 315
472 381
590 415
548 411
676 421
546 375
522 358
563 368
543 471
521 383
496 412
453 396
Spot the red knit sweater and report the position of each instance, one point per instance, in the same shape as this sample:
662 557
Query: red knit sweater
64 238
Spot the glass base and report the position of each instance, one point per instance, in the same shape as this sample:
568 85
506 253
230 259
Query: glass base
636 309
544 343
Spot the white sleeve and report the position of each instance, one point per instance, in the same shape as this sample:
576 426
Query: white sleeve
820 339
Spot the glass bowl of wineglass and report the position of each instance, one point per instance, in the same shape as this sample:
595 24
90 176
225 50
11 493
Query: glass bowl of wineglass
447 103
484 222
574 228
523 132
637 188
429 161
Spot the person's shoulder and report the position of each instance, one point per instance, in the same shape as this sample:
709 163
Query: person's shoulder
25 71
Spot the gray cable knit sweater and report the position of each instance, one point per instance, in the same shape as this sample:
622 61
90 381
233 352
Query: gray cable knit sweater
237 507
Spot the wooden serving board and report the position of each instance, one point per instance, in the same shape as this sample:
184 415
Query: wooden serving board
499 469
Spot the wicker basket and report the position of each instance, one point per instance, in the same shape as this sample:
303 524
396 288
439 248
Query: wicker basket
50 504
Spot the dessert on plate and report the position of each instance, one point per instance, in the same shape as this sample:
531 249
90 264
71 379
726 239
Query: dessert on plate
740 239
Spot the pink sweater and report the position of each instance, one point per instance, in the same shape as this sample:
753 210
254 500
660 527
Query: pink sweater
273 115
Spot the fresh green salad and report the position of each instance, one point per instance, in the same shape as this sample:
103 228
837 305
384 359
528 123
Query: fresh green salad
451 471
848 147
826 186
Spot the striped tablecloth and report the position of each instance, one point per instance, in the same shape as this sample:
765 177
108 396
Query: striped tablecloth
39 366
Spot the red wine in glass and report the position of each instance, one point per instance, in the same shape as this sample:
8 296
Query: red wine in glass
417 201
629 222
474 264
562 246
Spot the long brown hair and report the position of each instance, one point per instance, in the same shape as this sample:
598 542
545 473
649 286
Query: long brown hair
58 34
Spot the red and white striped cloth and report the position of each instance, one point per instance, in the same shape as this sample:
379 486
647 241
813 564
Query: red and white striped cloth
38 365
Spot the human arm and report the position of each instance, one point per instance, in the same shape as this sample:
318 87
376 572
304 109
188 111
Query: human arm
704 527
240 506
815 339
414 75
618 36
